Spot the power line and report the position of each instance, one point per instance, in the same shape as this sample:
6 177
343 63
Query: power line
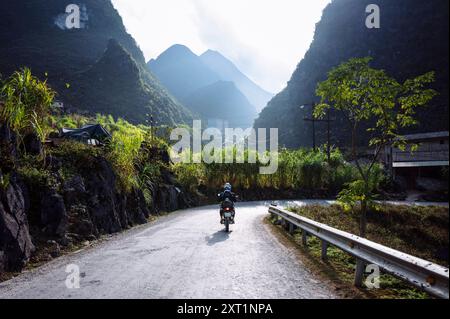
315 120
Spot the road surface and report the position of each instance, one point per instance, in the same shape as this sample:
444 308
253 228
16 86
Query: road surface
183 255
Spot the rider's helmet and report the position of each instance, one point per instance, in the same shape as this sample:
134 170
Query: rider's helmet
227 187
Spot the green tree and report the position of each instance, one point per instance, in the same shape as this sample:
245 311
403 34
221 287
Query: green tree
369 98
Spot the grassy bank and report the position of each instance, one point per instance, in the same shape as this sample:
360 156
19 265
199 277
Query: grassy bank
419 231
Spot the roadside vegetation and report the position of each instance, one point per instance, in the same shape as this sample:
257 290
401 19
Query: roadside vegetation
26 108
371 101
26 103
301 170
418 231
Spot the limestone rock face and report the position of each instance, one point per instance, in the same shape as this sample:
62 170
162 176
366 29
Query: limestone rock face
54 215
16 246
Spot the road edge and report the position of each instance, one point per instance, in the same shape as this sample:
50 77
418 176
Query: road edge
316 267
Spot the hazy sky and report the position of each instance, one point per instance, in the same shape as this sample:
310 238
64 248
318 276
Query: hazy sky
264 38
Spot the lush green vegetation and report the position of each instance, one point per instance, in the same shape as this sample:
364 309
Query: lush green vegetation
127 151
26 108
363 95
299 169
26 104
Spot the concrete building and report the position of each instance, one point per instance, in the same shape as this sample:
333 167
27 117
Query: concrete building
428 160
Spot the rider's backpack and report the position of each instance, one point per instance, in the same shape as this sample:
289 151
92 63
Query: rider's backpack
227 194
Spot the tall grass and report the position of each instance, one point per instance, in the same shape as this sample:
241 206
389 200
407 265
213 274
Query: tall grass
126 150
26 104
297 169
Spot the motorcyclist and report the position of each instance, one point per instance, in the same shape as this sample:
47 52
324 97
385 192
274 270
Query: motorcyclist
227 195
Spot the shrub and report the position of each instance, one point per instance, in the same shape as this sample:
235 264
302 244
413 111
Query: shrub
123 152
26 104
190 176
297 169
76 155
37 177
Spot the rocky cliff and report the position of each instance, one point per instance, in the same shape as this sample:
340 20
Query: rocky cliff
33 33
412 40
76 198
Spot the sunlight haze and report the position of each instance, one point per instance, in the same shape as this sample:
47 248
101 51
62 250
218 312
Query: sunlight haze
266 39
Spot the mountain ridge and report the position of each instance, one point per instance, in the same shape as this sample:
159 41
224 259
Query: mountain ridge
35 40
228 71
412 40
197 86
181 71
229 105
130 94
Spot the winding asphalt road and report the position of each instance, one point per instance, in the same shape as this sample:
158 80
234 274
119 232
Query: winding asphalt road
183 255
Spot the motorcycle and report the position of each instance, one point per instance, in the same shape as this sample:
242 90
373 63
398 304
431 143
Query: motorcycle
228 210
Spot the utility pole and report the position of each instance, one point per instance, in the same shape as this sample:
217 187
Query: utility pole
313 121
152 128
328 120
150 122
328 136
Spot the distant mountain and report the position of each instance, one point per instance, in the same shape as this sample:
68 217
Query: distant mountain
201 89
33 33
412 40
229 72
181 71
222 100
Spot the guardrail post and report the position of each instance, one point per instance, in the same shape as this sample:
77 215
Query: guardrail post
291 228
304 238
324 250
359 273
278 220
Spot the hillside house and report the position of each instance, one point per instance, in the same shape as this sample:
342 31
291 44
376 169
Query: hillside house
58 105
429 160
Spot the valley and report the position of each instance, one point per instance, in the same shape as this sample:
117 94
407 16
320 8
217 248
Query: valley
112 153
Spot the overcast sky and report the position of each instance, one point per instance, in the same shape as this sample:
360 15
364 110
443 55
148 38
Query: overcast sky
264 38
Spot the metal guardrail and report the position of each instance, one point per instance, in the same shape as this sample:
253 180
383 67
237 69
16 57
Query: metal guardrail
430 277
